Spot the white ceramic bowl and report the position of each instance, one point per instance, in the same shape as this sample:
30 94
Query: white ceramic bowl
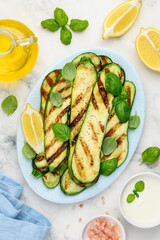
83 235
133 222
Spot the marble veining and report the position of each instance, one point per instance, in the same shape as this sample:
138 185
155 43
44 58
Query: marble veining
67 220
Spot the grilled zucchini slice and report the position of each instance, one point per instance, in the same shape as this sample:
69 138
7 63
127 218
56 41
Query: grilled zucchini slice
46 87
94 58
105 60
56 151
119 130
86 157
41 164
81 93
51 179
68 186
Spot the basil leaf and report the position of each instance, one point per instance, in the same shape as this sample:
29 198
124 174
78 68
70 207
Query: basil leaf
135 193
60 16
69 72
109 145
50 24
118 99
28 152
66 36
61 131
113 84
56 99
85 59
78 25
108 166
36 173
124 92
9 104
134 121
139 186
130 198
123 110
150 155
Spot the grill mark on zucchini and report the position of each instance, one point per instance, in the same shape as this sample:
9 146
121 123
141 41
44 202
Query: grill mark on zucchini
60 81
51 144
79 165
129 93
58 152
113 130
120 139
94 135
87 151
77 119
95 105
44 93
111 115
101 126
80 97
64 89
107 70
75 139
103 93
49 81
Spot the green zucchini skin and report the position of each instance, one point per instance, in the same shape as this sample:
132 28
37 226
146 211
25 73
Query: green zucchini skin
68 186
56 151
46 87
50 179
94 58
86 157
105 60
80 97
119 130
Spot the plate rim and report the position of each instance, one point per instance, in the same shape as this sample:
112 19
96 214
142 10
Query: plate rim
41 78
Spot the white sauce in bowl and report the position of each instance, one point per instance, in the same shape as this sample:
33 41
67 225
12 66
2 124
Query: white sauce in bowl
143 211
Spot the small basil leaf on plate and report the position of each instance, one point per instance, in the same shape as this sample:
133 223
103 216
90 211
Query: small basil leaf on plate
108 166
150 155
9 104
65 36
123 110
69 72
130 198
134 121
60 16
113 84
85 59
78 25
139 186
28 152
109 145
135 193
50 24
61 131
56 99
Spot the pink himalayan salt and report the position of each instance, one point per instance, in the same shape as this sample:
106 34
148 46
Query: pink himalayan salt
104 229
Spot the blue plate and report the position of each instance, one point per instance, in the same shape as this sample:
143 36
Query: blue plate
56 195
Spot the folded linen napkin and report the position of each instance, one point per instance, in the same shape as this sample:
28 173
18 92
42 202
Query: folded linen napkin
17 220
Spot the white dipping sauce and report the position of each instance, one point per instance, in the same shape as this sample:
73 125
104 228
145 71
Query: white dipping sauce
143 211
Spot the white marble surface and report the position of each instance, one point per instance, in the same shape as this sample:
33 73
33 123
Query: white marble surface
65 218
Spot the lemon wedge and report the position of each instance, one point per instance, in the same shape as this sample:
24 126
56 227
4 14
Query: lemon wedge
148 47
121 19
32 127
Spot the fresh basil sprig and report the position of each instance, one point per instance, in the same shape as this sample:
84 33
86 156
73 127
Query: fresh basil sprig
78 25
61 131
50 24
150 155
60 20
123 110
139 187
108 166
9 104
113 84
134 121
118 99
56 99
109 145
69 72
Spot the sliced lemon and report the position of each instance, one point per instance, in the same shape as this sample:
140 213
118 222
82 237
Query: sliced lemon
148 47
32 127
121 19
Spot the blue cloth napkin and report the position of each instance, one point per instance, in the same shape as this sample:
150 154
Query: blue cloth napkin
17 220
